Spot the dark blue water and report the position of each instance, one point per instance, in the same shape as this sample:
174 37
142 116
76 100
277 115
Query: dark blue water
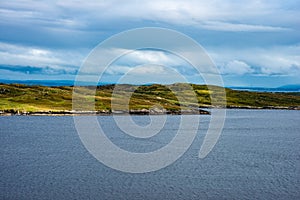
256 157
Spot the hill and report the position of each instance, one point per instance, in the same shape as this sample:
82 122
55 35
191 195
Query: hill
19 98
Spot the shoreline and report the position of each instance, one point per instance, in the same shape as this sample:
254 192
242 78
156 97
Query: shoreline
102 113
135 112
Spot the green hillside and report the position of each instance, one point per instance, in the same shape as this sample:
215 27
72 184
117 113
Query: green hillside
24 98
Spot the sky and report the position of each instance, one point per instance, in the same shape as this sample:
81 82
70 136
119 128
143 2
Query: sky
252 43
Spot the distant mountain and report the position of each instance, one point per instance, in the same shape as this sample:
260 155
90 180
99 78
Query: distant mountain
290 87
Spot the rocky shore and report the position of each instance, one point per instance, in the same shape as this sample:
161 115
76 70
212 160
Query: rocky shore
200 111
105 112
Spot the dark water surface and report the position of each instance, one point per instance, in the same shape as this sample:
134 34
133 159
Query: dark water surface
256 157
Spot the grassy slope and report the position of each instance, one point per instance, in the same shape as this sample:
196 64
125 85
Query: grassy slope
41 98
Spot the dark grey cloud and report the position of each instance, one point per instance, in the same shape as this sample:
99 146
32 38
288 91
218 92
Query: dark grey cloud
38 70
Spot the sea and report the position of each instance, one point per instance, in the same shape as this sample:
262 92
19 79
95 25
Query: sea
257 156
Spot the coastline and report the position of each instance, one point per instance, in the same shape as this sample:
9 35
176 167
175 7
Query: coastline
201 111
103 112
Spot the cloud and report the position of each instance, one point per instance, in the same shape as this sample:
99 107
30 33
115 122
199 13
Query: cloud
147 73
276 60
213 15
258 38
236 67
225 26
153 56
147 70
29 59
150 70
118 70
38 70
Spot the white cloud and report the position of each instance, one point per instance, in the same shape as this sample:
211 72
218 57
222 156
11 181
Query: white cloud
126 59
138 57
225 26
212 15
279 60
276 60
11 54
150 56
149 70
150 73
236 67
118 70
136 70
